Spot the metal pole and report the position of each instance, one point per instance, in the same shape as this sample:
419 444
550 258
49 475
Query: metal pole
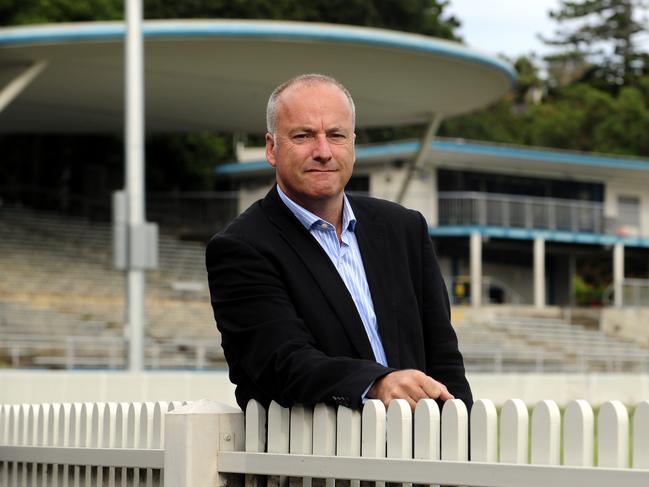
539 272
475 244
134 152
424 147
618 274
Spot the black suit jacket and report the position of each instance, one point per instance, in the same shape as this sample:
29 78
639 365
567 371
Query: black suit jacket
290 329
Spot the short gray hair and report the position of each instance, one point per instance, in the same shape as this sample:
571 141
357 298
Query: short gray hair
306 79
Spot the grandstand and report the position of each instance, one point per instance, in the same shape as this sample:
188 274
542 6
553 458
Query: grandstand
62 306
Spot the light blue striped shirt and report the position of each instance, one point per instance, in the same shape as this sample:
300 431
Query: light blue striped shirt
346 258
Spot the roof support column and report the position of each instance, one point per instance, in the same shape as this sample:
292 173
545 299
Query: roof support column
134 155
539 272
424 148
11 90
618 274
476 268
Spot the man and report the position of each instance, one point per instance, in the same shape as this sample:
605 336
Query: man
323 297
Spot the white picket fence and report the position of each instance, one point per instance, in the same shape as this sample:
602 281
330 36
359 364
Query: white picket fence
83 443
207 444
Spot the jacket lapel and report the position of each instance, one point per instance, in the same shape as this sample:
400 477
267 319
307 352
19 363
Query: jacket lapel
374 247
323 271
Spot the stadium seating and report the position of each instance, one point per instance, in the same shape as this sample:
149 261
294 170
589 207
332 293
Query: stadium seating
62 306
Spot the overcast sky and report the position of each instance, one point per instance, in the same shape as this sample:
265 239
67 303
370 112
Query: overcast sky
509 27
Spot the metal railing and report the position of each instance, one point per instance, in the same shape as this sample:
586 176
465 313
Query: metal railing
502 210
74 352
635 292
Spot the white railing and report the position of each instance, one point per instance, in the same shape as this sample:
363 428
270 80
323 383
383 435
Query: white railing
72 352
504 210
635 292
205 443
82 443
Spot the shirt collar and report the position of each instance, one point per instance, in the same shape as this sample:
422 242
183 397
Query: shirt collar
308 219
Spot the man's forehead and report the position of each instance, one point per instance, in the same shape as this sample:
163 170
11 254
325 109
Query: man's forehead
303 91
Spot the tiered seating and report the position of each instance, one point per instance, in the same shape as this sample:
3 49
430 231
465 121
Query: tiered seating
582 349
62 303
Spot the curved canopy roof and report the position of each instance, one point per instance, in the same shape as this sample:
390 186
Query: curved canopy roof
217 74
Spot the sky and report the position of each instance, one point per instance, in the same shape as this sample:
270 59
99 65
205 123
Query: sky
512 27
508 27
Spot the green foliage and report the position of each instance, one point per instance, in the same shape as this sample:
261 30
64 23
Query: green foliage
420 16
185 161
17 12
603 33
587 294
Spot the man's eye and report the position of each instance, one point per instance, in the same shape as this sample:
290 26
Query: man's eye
301 136
337 137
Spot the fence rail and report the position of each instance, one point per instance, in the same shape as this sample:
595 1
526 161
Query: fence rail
206 443
503 210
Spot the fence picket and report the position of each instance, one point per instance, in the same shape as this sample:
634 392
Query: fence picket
399 429
514 421
255 427
324 433
427 433
86 439
42 430
278 436
4 440
484 431
32 440
373 431
121 435
348 435
159 411
23 421
455 431
546 429
613 435
641 436
578 434
301 434
255 436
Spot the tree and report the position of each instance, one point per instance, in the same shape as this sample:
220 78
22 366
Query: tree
597 39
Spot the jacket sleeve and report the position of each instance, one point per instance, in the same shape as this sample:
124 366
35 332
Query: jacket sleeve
271 352
444 361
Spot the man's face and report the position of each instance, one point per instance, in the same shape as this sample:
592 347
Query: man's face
313 147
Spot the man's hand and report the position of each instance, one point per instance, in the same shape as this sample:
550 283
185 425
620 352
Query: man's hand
411 385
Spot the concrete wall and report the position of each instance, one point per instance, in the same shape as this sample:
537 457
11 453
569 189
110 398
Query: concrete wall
22 386
386 181
636 189
627 323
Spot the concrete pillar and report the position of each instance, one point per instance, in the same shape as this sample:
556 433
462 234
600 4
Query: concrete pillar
618 274
539 272
476 269
194 435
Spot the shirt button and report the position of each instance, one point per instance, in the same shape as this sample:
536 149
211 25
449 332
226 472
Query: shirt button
324 226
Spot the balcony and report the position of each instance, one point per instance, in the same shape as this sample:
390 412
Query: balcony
511 211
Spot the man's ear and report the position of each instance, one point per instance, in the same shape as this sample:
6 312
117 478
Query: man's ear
270 147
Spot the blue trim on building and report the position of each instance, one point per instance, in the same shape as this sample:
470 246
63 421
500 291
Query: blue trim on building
259 30
531 234
410 147
243 167
542 155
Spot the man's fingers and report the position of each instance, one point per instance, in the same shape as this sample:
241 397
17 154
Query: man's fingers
411 385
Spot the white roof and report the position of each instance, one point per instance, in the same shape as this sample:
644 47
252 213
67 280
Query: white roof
217 74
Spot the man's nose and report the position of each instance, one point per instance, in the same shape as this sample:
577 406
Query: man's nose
322 150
